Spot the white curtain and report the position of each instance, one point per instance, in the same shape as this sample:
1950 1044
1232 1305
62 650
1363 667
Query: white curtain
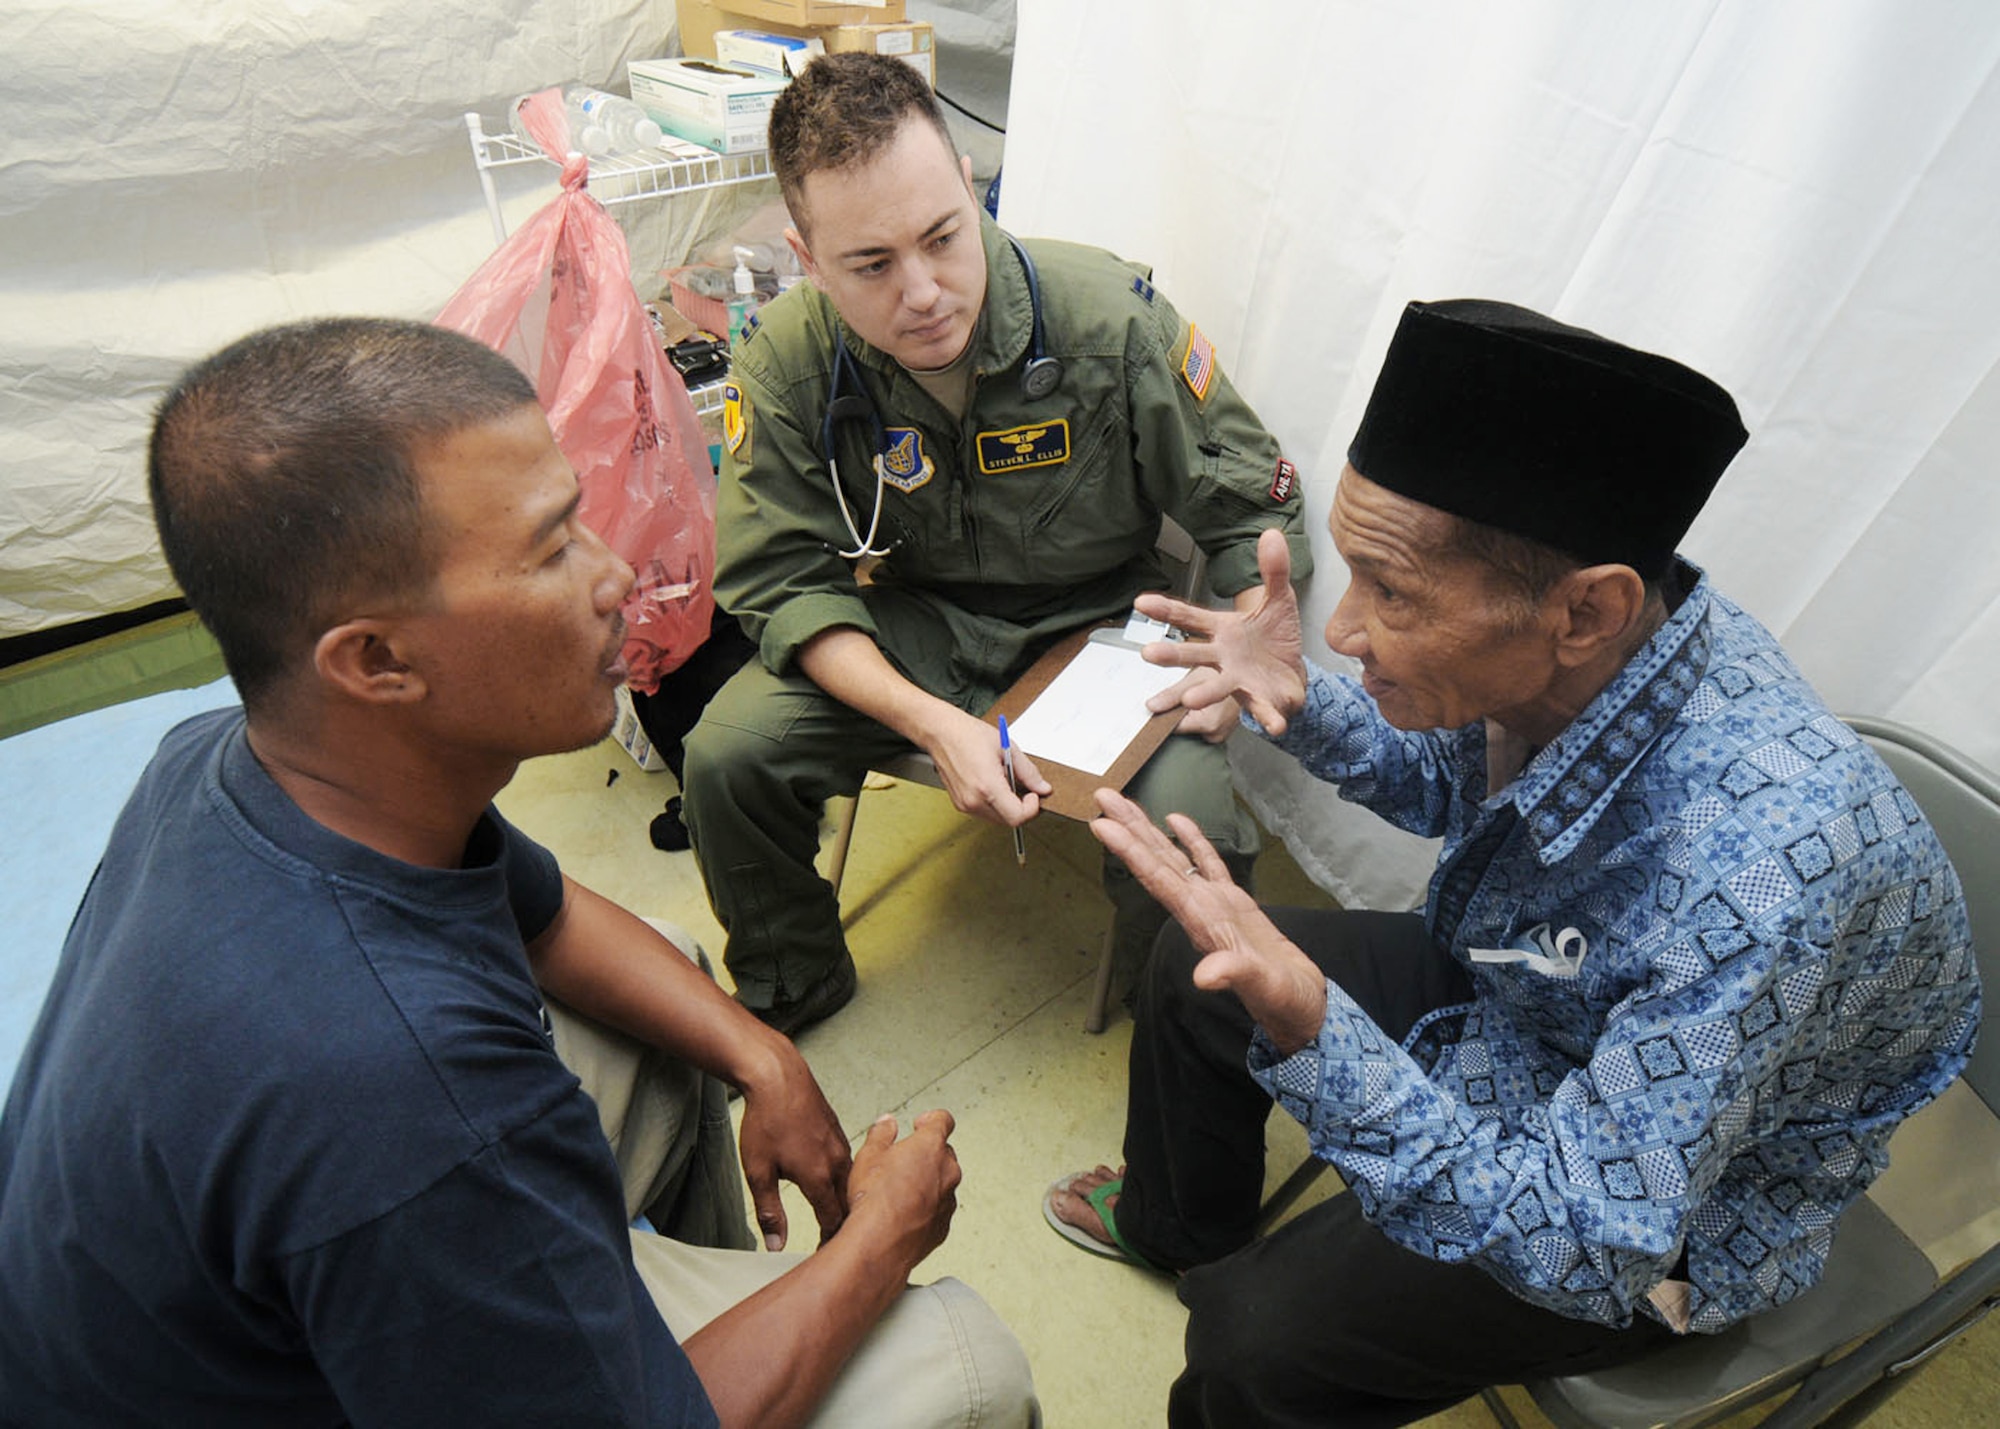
1800 198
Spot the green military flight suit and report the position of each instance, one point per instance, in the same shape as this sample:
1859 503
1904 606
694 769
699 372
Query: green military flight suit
1006 530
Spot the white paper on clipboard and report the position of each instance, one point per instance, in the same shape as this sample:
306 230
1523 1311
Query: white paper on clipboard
1094 708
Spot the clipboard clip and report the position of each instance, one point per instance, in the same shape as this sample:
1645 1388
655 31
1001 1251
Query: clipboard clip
1137 633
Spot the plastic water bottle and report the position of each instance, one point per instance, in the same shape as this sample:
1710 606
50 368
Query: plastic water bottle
603 123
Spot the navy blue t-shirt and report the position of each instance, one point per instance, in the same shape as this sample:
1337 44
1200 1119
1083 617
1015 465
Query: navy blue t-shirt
290 1146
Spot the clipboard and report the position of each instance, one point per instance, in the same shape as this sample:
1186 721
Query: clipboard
1073 788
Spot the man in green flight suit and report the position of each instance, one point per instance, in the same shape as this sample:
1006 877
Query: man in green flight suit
1031 414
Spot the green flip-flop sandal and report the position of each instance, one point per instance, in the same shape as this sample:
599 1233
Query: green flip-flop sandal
1077 1236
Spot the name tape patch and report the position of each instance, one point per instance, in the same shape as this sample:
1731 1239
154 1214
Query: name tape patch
1019 448
1198 364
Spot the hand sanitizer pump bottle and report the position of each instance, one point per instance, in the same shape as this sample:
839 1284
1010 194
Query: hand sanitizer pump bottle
743 301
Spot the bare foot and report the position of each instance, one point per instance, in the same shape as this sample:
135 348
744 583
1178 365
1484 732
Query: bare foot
1073 1209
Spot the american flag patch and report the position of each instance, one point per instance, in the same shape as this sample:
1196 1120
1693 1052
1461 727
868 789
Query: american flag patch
1198 366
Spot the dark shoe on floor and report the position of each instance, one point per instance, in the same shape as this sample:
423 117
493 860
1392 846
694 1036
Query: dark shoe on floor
826 997
668 832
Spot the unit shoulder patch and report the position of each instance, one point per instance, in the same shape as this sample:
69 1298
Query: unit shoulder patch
905 464
1020 448
735 421
1197 364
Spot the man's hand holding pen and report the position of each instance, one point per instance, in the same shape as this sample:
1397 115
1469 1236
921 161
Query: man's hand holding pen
1013 787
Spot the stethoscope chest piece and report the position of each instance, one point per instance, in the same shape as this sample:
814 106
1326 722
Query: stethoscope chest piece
1041 377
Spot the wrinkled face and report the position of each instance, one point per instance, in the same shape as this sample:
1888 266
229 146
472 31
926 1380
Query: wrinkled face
518 638
894 244
1436 646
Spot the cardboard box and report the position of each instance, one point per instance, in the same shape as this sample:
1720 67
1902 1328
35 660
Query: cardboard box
815 13
909 40
699 20
631 735
761 49
726 108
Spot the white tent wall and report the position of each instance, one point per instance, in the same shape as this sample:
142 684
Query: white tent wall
173 176
1801 199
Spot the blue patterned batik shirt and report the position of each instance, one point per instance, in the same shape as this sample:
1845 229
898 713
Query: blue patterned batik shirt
1718 956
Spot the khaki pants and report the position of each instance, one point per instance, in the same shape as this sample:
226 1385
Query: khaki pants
939 1357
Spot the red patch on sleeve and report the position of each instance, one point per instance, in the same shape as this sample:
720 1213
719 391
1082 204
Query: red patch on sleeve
1284 481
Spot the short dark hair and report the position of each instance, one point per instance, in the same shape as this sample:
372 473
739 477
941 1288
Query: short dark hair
283 477
842 110
1520 570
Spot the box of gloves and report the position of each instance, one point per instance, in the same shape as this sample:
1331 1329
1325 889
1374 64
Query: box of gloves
722 107
760 49
631 735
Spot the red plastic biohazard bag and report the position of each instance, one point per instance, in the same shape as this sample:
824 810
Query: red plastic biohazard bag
557 298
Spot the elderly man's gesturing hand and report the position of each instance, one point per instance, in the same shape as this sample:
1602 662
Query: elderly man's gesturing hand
1242 950
1253 653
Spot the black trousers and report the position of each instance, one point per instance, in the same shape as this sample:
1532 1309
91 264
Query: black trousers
1326 1321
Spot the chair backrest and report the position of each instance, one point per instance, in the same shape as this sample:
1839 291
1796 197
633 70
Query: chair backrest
1186 562
1942 1188
1935 1211
1962 801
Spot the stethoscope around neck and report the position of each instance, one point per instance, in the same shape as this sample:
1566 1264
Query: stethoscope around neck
1040 376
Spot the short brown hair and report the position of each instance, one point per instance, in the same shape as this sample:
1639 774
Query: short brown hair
284 482
843 110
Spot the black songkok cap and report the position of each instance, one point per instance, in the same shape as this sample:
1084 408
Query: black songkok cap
1516 421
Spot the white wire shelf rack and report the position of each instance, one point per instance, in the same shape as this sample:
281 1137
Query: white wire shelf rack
707 398
678 168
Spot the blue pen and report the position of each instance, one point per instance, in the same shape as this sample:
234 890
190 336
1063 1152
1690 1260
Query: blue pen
1007 758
